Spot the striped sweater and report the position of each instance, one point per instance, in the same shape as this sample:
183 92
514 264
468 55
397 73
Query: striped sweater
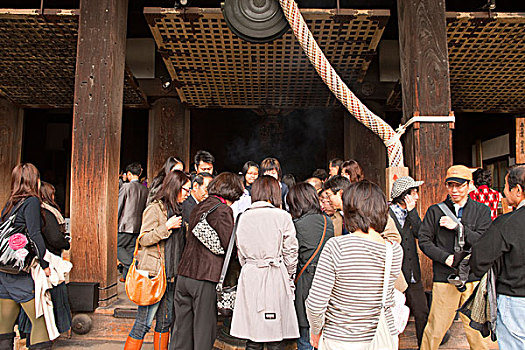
345 298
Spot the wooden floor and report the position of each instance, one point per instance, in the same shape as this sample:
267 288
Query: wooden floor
109 332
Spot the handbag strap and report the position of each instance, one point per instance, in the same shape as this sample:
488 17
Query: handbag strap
388 268
18 206
228 255
204 215
460 243
314 254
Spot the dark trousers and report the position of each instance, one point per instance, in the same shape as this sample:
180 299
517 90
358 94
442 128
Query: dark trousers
417 302
125 249
274 345
196 315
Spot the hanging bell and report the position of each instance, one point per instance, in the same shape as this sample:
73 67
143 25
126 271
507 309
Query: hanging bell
256 21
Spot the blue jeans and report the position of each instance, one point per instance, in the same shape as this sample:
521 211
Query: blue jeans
303 343
510 328
161 311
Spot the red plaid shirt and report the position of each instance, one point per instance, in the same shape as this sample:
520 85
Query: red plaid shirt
487 196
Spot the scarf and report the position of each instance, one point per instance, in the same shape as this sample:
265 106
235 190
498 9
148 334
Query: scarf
58 216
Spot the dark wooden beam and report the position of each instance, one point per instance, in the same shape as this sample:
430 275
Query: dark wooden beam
11 129
97 122
169 134
426 92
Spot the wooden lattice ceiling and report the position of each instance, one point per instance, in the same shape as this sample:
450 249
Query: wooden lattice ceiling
486 62
37 59
211 67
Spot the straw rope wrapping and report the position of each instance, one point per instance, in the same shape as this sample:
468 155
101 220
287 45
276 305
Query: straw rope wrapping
338 87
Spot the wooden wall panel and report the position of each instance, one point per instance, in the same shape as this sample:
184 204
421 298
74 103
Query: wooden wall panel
97 122
11 129
367 148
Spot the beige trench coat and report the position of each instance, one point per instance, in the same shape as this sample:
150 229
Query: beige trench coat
268 250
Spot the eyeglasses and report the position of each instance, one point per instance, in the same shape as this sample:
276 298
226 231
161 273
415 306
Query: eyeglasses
456 185
186 189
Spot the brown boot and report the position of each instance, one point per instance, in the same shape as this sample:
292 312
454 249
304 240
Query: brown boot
133 344
161 340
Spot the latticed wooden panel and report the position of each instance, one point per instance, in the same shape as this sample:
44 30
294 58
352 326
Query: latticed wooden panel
212 67
486 62
38 56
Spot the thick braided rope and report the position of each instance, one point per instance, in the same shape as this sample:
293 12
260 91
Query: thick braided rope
338 87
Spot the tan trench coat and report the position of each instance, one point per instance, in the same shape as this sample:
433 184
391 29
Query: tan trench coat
268 251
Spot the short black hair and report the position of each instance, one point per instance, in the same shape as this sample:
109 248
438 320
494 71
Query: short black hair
336 183
401 198
248 165
199 178
321 174
271 164
482 177
335 162
516 176
302 199
226 185
365 207
289 180
134 168
203 156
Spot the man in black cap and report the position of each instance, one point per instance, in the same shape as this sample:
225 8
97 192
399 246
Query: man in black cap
447 233
405 194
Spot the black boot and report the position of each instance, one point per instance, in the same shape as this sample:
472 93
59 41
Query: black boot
275 345
7 341
47 345
251 345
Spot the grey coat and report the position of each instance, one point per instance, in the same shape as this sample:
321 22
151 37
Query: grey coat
267 248
132 198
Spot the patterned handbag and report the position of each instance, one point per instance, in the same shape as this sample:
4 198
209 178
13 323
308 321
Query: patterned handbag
207 234
226 295
17 250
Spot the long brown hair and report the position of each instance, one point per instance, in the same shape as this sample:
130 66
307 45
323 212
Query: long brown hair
24 184
47 194
170 189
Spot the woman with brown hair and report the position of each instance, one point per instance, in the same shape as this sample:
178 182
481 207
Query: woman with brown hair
18 290
162 225
352 171
345 303
313 229
200 269
264 310
56 241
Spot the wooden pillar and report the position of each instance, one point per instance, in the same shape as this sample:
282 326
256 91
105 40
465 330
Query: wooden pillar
169 134
363 145
426 92
11 129
97 122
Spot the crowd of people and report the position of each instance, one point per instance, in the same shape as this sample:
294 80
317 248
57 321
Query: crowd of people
327 262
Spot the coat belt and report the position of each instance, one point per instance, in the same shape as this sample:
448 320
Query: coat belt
267 264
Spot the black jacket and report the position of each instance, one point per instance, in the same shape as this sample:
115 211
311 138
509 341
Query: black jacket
504 245
409 233
29 215
54 238
309 230
187 207
438 242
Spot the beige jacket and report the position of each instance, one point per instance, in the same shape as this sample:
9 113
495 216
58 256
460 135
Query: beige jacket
152 231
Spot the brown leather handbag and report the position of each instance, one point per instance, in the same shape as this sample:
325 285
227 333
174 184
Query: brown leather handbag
145 290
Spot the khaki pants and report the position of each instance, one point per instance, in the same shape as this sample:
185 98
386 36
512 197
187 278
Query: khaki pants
446 299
